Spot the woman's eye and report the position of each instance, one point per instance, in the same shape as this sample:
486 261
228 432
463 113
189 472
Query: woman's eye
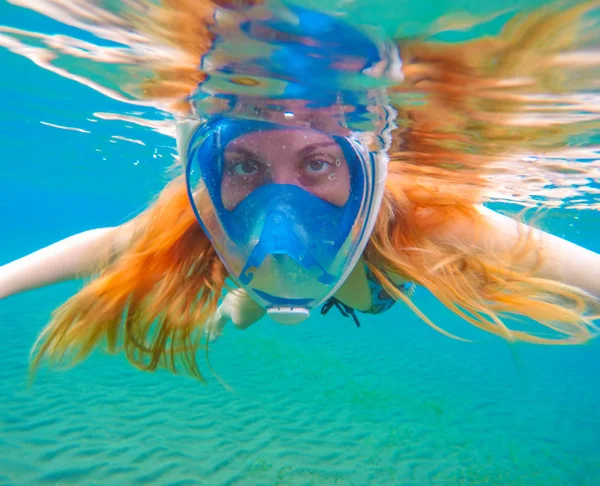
244 168
317 166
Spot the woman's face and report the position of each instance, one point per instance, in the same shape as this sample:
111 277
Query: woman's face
308 159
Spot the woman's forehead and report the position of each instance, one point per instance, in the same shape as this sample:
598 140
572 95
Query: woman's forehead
289 139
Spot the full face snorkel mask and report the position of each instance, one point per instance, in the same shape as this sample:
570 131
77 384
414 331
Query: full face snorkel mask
289 210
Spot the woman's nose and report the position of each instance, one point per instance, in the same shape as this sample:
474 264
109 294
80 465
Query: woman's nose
283 172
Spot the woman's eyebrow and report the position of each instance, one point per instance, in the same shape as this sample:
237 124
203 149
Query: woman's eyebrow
310 148
241 151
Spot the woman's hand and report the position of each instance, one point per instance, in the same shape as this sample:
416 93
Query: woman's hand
237 307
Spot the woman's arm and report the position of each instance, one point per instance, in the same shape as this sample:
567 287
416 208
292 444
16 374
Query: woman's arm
561 260
77 256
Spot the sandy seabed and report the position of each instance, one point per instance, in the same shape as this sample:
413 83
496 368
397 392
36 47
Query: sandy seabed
391 403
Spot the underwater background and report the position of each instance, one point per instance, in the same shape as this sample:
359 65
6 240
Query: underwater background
390 403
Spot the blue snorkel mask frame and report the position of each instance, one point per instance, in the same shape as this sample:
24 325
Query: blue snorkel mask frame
294 223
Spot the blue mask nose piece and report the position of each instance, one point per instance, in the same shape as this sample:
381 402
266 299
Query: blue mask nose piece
282 243
284 232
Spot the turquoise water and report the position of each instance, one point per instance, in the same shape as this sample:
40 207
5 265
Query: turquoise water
389 403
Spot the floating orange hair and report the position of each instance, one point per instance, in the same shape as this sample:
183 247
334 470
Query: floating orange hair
152 300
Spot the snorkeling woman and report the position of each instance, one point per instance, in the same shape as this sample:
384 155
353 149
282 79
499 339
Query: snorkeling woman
300 220
301 214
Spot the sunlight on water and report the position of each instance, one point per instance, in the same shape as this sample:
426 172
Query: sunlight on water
521 111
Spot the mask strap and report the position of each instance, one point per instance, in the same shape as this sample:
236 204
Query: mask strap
344 309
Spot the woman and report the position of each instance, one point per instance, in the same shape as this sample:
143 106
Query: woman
302 214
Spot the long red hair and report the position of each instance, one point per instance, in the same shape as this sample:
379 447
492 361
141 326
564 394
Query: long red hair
153 299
